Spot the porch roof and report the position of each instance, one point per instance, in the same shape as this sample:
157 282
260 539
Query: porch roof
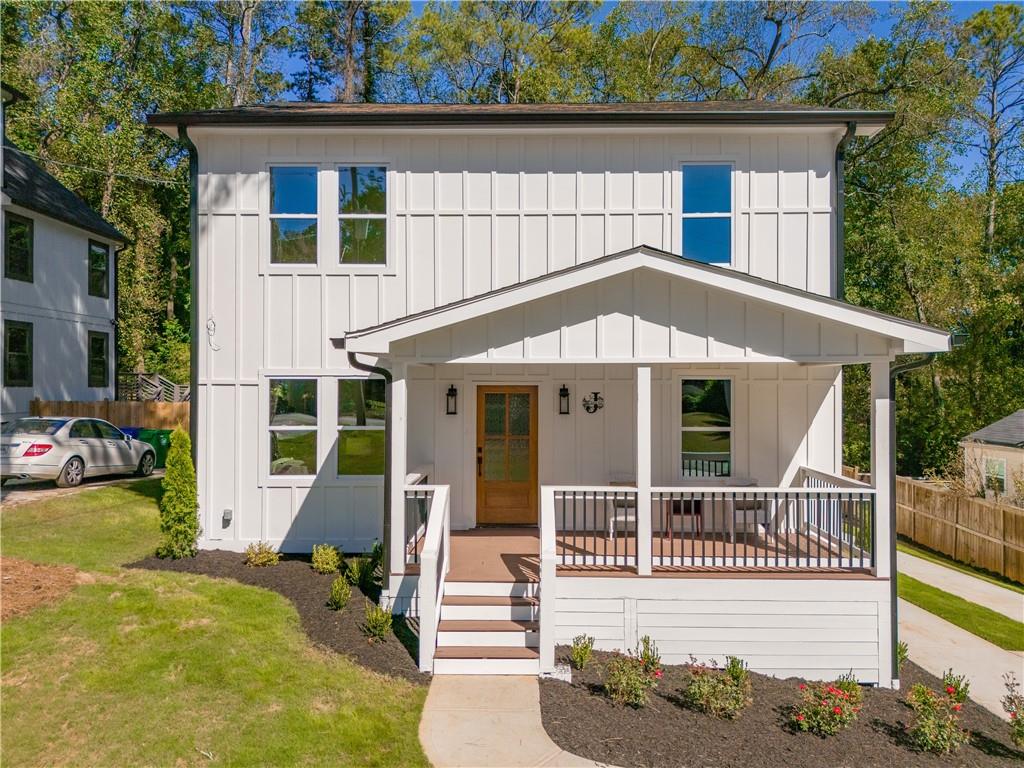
891 335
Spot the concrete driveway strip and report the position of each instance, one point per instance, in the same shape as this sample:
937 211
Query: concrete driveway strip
936 645
483 721
1005 601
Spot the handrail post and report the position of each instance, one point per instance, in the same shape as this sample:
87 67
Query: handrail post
428 599
643 470
548 574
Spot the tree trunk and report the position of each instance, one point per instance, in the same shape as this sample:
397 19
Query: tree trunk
348 95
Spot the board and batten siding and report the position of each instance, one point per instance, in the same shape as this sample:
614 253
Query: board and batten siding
817 629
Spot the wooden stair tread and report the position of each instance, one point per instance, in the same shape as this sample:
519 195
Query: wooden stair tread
487 600
484 652
486 625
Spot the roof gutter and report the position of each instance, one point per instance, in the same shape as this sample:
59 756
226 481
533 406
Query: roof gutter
385 374
851 129
193 273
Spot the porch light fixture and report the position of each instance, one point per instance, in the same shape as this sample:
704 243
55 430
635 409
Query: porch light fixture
593 402
563 401
451 401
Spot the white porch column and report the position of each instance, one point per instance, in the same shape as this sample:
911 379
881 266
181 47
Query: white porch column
881 446
643 470
399 410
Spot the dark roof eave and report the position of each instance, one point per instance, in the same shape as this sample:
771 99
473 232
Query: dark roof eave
114 235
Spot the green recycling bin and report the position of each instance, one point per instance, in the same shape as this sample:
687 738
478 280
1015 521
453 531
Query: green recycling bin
160 439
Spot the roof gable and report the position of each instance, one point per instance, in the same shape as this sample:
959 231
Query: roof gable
1008 431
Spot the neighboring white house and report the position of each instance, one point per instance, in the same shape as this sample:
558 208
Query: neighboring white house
606 342
58 303
994 457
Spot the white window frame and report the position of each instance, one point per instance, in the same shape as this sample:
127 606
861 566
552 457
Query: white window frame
361 479
680 430
999 462
731 215
386 216
276 266
290 479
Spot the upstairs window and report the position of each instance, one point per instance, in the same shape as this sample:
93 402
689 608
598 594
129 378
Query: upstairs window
293 422
361 412
293 214
99 269
707 212
706 428
18 236
99 366
362 214
17 354
995 475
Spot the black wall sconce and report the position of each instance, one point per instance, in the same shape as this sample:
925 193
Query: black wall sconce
451 401
563 401
593 402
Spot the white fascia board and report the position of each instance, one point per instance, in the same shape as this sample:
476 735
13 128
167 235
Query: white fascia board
916 338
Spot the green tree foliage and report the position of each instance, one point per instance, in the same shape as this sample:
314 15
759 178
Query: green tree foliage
179 505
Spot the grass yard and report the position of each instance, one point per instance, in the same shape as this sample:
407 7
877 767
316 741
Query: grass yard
939 559
146 668
985 623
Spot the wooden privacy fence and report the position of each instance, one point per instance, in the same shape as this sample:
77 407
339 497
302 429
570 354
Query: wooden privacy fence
146 414
975 531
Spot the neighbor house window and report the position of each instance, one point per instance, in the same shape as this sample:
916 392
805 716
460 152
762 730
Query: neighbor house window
99 269
99 368
293 214
17 354
362 214
995 475
18 234
293 426
706 428
707 213
361 447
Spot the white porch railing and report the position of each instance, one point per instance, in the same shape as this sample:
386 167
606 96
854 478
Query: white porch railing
434 560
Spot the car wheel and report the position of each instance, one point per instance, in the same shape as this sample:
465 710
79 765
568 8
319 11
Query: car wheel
146 463
72 473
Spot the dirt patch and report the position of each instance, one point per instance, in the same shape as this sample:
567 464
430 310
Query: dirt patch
580 719
308 590
24 585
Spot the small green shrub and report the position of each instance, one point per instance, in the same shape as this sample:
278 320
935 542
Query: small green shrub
849 685
260 554
827 708
360 573
936 725
179 503
1013 705
627 682
902 654
648 654
340 594
956 686
719 692
582 651
377 555
377 623
326 558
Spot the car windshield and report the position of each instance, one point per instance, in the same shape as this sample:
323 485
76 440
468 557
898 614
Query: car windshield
33 426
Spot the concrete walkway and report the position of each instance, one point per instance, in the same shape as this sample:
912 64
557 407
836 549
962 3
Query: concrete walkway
480 721
936 645
1005 601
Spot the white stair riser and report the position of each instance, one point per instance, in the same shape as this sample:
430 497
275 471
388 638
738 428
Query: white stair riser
504 639
492 588
489 612
486 667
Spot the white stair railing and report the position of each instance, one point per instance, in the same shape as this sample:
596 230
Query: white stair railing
435 559
548 574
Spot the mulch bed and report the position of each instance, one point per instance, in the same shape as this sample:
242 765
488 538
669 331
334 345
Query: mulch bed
308 590
24 585
581 719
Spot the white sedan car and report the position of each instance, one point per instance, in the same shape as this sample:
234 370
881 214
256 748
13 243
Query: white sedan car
68 450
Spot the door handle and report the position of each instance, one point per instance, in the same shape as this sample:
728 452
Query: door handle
479 461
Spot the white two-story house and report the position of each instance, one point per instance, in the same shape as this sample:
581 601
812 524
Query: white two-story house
58 295
577 366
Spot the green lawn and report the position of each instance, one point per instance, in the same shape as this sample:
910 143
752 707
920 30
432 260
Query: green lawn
146 668
985 623
939 559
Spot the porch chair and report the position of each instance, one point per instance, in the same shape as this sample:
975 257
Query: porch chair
623 507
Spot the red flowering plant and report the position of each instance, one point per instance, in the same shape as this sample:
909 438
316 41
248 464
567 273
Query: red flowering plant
936 725
1013 705
827 708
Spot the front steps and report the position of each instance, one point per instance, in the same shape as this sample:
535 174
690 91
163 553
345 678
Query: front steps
488 628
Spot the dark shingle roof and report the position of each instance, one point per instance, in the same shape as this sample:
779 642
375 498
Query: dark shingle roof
29 186
1008 431
662 112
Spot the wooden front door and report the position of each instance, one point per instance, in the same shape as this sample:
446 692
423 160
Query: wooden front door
506 456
